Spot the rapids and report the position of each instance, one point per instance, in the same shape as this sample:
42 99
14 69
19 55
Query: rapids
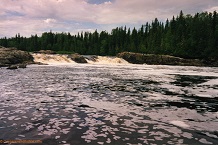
57 59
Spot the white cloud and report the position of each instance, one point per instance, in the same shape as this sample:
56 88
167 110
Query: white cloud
23 26
212 9
26 16
48 21
108 3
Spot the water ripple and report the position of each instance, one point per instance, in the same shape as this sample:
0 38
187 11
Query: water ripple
100 104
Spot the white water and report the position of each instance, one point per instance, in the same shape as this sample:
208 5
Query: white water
108 60
179 123
56 59
52 59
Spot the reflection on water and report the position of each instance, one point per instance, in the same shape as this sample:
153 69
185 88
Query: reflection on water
110 104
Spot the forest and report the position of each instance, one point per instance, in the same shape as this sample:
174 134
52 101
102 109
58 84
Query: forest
186 36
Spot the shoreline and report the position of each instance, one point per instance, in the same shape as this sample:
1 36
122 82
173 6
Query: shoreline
14 58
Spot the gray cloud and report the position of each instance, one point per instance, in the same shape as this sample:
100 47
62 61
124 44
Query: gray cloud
35 16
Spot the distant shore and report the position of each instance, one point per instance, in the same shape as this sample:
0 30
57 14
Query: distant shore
154 59
12 56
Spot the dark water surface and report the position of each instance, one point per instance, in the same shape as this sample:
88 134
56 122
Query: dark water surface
110 104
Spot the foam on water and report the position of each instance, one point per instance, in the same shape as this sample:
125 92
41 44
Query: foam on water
52 59
179 123
107 60
211 82
115 104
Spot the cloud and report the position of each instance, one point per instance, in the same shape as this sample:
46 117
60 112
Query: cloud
48 21
212 9
20 25
107 3
35 16
138 11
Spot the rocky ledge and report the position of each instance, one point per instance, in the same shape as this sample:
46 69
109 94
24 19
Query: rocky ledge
77 58
153 59
46 52
14 57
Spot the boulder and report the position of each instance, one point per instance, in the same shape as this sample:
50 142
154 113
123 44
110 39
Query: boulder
22 65
91 57
77 58
153 59
12 56
135 58
12 67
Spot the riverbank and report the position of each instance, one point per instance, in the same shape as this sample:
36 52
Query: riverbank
153 59
15 58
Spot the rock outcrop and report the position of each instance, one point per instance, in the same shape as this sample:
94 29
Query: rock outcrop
77 58
91 57
210 62
46 52
22 65
153 59
12 56
12 67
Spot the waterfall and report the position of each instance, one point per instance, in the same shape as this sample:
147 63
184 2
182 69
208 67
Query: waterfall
56 59
52 59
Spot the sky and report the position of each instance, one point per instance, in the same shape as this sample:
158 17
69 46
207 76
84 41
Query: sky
30 17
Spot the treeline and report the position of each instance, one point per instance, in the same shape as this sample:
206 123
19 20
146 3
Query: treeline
185 36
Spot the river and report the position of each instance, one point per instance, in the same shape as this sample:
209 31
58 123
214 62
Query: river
110 104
